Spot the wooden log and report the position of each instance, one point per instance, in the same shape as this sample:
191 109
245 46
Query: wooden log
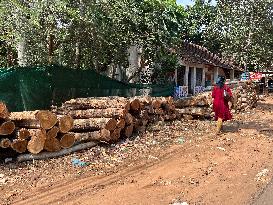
156 103
4 113
5 143
47 155
19 145
52 145
52 133
128 131
198 101
36 144
66 140
121 123
94 124
96 103
194 111
115 134
34 119
22 134
129 119
6 128
96 113
65 123
47 119
102 135
135 104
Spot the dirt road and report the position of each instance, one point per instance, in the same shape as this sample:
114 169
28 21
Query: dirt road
193 166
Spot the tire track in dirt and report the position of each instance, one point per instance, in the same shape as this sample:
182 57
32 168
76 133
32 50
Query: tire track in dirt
67 189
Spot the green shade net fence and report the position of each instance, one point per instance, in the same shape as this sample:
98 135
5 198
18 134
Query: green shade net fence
31 88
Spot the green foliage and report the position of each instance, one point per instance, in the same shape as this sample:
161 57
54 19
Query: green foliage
244 29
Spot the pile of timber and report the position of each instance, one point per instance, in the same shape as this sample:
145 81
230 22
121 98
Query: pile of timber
244 97
194 107
34 131
110 118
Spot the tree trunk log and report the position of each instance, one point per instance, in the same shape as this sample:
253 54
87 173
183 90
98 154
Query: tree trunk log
19 145
52 133
22 134
94 124
4 113
96 103
52 145
7 128
65 123
93 136
5 143
121 123
66 140
115 134
47 155
128 131
34 119
37 142
129 119
96 113
194 111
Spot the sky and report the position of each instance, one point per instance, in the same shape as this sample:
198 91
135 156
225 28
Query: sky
188 2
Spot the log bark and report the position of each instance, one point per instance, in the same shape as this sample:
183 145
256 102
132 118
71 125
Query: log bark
96 103
6 128
198 101
66 140
5 143
94 124
4 113
47 155
52 145
194 111
102 135
65 123
19 145
37 142
96 113
34 119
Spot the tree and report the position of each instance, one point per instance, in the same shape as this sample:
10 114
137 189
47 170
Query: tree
244 29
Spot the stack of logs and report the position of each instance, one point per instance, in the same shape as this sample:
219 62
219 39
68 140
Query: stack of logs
109 118
34 131
244 98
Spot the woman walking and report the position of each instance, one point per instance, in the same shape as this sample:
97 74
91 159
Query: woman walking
221 94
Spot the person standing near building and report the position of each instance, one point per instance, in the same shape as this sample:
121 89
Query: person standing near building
221 95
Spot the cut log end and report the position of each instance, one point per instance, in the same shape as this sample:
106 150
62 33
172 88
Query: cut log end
67 140
4 113
36 144
111 124
22 134
7 128
19 145
52 145
65 123
5 143
47 119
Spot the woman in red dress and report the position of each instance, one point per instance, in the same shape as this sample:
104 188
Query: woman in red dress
221 93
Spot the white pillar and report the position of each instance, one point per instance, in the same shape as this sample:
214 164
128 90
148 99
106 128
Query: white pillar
231 75
216 73
186 77
203 77
193 79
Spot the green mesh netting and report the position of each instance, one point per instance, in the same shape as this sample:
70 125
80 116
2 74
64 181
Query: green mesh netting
32 88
